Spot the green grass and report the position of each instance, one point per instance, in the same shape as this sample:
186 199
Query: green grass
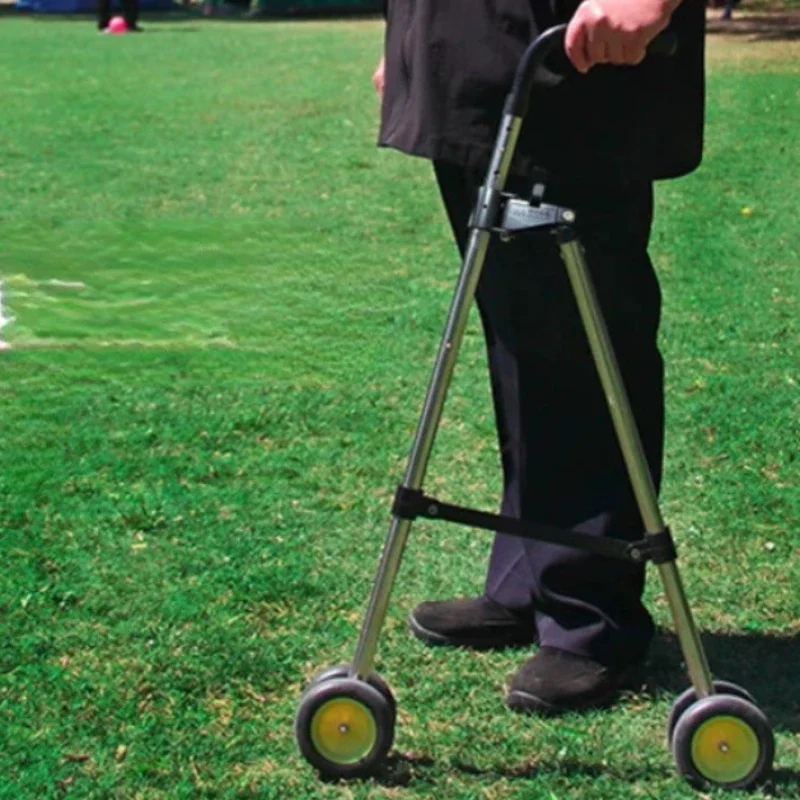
226 303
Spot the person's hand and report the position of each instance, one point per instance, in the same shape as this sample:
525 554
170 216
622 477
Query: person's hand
615 31
377 77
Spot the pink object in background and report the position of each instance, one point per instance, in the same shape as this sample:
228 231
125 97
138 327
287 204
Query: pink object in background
117 25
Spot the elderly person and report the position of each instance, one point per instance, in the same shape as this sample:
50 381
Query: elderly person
618 123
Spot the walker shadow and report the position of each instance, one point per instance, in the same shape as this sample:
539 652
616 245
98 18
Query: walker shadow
403 769
765 664
759 28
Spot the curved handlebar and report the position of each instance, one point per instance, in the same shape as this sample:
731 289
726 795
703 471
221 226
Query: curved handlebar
532 72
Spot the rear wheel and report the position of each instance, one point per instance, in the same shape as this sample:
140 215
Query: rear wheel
689 697
723 741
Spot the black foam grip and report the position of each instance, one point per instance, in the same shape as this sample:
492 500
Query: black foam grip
532 73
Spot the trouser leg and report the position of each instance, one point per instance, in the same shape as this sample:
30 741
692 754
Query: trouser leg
561 460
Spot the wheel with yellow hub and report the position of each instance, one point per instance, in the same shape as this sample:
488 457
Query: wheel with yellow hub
344 727
689 697
724 741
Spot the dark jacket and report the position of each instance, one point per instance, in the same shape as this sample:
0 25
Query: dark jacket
450 63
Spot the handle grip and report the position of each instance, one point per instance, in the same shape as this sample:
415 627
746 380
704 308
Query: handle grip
531 70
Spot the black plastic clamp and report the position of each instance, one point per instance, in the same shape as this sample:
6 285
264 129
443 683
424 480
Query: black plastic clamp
656 547
408 503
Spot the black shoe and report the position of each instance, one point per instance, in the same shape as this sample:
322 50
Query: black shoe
554 681
475 622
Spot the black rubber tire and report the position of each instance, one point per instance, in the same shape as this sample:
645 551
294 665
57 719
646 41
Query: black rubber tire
722 705
343 671
369 697
689 697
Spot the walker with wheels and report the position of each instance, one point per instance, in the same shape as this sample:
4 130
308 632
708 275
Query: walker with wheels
346 719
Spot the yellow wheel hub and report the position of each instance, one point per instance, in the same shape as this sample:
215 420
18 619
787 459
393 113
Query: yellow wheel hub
343 730
725 749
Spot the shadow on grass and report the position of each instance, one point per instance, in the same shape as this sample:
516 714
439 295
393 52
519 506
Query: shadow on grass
403 769
759 28
764 664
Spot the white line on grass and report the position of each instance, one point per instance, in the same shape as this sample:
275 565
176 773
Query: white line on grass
4 320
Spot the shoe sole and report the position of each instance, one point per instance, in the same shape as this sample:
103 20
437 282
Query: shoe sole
442 640
525 703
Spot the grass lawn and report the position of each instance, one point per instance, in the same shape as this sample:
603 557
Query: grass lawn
226 302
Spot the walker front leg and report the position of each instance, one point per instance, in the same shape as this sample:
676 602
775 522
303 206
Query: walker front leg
481 225
346 719
345 723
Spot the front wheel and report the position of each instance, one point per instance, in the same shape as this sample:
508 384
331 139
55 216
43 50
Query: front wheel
724 741
344 727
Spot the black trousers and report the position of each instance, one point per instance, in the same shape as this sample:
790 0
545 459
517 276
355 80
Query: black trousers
130 11
561 461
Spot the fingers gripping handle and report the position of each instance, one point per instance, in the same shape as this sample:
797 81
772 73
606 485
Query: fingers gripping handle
531 71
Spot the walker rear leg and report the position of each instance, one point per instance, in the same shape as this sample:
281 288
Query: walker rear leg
717 735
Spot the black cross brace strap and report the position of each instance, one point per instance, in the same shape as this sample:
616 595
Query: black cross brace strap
656 547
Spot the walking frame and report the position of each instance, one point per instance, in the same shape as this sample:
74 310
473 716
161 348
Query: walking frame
345 723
